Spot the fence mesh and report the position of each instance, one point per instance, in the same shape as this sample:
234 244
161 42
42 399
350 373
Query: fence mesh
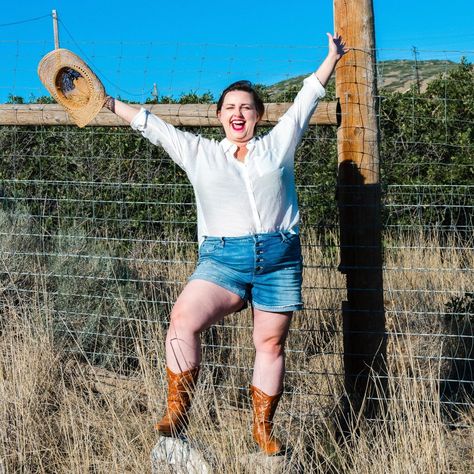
98 227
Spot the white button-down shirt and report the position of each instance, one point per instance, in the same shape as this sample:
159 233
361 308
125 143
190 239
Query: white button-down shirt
240 198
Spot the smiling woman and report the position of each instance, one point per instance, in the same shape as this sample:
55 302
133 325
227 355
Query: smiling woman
249 247
239 109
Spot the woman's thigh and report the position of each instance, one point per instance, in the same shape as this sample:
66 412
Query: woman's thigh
270 329
201 304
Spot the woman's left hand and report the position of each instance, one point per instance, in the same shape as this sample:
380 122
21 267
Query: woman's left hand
337 47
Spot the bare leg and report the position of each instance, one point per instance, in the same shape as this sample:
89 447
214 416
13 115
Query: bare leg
199 305
269 336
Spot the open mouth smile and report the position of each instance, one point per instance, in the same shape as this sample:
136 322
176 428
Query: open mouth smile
238 125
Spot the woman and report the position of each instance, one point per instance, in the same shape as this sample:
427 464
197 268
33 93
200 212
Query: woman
248 234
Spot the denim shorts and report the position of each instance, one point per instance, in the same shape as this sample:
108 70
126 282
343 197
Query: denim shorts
263 269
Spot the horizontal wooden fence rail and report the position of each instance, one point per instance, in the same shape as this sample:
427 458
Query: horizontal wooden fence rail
186 115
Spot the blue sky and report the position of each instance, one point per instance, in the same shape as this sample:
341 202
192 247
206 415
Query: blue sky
200 46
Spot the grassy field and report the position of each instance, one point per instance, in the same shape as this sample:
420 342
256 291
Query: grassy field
61 414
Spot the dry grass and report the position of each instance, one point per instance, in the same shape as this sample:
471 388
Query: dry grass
60 415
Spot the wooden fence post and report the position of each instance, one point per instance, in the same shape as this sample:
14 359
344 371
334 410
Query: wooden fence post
359 202
55 29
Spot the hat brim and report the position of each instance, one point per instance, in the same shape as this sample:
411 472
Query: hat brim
72 84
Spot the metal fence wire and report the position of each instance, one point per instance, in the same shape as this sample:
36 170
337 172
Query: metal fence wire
98 231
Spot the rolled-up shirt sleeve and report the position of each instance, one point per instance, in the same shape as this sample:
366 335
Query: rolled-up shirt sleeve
181 146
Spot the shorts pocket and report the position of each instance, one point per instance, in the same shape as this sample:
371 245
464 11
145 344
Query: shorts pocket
209 246
293 241
290 238
291 248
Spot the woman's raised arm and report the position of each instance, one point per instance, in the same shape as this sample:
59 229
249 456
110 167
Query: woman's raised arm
123 110
337 49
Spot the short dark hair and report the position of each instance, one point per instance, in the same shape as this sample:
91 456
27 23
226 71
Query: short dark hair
245 86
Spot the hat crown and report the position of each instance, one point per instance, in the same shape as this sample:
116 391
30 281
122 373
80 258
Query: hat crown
72 84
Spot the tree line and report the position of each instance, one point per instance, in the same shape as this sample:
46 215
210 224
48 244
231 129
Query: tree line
426 151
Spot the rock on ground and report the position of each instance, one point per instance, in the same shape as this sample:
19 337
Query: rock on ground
179 455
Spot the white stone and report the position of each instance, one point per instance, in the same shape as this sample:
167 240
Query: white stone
178 454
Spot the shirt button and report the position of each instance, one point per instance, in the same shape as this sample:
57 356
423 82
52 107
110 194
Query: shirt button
259 259
259 252
258 244
258 268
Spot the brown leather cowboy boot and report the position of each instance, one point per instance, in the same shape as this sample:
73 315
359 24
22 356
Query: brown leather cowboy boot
180 391
264 407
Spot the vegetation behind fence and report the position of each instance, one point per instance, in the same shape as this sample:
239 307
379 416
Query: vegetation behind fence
98 228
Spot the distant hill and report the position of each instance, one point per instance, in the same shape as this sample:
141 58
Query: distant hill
394 76
398 76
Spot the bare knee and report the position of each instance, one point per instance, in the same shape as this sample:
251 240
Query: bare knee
188 319
182 321
271 345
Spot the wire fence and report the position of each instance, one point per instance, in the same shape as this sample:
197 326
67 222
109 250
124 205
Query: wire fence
98 227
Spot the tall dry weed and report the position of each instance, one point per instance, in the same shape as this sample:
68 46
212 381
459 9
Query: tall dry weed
60 414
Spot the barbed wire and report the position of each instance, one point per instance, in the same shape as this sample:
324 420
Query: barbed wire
100 227
29 20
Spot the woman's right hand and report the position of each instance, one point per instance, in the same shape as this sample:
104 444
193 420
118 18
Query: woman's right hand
109 103
125 111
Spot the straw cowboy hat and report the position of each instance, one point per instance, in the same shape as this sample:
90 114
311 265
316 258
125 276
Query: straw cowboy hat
72 84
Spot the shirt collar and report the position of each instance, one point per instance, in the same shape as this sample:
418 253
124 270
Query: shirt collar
227 145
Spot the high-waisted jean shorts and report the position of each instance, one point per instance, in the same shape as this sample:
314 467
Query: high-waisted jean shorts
263 269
